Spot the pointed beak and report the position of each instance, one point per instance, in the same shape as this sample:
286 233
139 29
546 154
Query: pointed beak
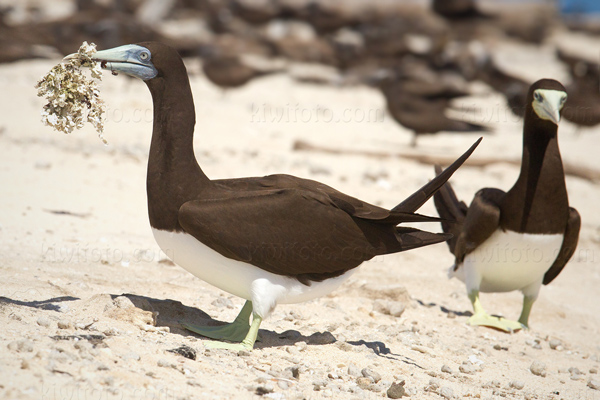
552 111
124 59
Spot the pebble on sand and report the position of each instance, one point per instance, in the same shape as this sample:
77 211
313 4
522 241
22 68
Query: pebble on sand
446 392
538 368
396 390
517 385
555 344
369 373
43 321
594 384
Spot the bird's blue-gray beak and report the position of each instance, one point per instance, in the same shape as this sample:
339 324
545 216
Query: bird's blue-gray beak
130 59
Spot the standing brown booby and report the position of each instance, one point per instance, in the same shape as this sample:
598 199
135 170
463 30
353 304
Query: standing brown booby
421 106
523 238
273 239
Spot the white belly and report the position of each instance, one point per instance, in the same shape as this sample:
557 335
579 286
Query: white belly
509 261
247 281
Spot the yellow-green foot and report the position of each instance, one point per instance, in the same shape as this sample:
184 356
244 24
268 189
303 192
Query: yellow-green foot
502 324
480 317
234 332
246 344
229 346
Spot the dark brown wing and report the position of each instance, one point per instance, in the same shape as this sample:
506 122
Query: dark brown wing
278 235
451 210
481 221
568 246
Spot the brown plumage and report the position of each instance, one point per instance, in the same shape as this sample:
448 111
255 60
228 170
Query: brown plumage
271 239
420 106
228 71
583 103
537 204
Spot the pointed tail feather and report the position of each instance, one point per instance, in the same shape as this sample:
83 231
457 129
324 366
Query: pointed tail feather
412 238
451 210
418 198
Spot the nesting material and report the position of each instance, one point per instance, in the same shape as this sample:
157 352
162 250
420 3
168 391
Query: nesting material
73 96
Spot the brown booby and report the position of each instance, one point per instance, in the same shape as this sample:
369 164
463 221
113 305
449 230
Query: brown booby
520 239
230 71
270 240
583 106
420 106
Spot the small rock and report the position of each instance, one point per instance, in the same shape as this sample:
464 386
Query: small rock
123 302
112 331
63 324
319 385
446 369
266 389
420 349
164 363
576 374
344 346
186 351
369 373
295 370
433 386
594 384
21 346
321 338
517 385
497 347
25 364
467 368
555 344
301 346
364 382
131 356
396 391
353 370
283 385
62 308
43 321
397 308
538 368
593 370
446 392
451 315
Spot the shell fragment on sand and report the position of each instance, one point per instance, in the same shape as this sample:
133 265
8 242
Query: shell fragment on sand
73 97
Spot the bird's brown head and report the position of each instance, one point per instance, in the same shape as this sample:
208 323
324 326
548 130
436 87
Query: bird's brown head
546 99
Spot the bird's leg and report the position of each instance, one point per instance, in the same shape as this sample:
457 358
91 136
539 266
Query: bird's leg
246 344
234 332
527 303
480 317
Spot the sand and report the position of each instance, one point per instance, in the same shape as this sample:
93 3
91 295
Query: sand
90 307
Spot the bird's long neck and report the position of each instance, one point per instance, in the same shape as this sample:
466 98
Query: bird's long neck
174 175
538 201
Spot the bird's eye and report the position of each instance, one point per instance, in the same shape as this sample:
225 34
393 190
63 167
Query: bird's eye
537 96
144 56
562 100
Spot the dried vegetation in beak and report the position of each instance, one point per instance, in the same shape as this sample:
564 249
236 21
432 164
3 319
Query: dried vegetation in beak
73 97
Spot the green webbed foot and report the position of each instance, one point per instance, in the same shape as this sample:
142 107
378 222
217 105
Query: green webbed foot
233 332
480 317
246 344
502 324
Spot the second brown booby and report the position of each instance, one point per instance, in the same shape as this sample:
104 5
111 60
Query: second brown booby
270 240
520 239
